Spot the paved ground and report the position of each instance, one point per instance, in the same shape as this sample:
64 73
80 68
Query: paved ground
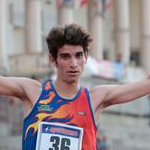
126 132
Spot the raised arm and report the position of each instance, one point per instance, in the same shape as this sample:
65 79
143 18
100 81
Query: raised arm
116 94
18 87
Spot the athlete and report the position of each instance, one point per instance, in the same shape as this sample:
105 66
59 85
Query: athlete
63 101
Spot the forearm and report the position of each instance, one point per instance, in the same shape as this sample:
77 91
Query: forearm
136 90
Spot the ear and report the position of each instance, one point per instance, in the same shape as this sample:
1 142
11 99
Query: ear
52 60
86 57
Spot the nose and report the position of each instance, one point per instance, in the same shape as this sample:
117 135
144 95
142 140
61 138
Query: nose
73 63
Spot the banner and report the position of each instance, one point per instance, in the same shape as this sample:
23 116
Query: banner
98 7
59 3
68 3
84 2
102 6
72 3
107 4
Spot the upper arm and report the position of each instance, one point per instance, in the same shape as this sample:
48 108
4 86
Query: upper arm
10 86
116 94
14 86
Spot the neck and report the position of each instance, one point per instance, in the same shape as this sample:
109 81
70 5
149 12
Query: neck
65 88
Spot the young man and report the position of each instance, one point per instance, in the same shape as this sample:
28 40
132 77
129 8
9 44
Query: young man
63 101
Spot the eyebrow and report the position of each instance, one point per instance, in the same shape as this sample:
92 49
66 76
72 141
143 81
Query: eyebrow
65 53
81 52
62 54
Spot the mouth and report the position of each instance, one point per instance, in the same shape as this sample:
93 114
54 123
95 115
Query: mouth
73 73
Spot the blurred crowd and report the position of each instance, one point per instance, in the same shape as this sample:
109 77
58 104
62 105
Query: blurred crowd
102 143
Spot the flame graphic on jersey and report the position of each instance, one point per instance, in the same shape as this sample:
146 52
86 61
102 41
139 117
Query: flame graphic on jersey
40 117
59 116
51 95
47 86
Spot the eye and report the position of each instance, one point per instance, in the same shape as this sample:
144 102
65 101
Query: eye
79 55
65 56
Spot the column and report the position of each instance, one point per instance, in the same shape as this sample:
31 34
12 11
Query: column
145 35
3 38
65 14
33 31
122 30
96 28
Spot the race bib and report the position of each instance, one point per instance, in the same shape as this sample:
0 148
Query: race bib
54 136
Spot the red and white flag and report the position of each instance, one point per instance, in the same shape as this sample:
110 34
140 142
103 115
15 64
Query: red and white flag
80 3
108 5
84 2
59 3
76 3
68 3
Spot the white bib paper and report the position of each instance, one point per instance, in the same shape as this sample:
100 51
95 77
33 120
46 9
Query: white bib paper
54 136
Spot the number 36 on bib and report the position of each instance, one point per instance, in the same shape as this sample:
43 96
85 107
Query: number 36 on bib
54 136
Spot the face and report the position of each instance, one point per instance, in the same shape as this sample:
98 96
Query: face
70 63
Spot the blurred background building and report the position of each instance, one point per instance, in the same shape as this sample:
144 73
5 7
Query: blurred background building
119 54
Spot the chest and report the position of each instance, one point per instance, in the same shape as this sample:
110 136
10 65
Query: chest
69 112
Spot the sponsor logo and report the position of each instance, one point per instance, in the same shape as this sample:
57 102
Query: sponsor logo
82 113
45 108
64 131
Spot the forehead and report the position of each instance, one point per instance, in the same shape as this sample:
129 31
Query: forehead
70 49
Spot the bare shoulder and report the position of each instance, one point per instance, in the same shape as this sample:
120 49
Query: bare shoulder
31 91
100 94
27 82
97 95
30 87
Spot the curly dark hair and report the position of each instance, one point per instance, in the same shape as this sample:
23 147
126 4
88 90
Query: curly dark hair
72 34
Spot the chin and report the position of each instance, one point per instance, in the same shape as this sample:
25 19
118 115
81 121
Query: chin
72 81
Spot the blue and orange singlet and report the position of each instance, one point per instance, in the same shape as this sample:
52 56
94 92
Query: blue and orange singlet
50 107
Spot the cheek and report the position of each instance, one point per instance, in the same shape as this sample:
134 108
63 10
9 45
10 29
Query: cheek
62 64
81 65
82 62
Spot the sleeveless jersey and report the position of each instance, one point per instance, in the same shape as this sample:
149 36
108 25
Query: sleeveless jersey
51 107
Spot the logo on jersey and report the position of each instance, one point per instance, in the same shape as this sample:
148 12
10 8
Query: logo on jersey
46 108
82 113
